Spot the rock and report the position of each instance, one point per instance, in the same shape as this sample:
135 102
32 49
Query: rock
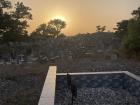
104 96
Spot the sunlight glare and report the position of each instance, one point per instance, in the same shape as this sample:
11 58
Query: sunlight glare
59 17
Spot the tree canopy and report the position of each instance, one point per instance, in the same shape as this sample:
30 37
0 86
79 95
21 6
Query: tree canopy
122 28
52 29
4 4
55 26
100 29
129 32
13 21
40 31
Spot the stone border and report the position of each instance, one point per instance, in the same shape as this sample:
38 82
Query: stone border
132 75
48 92
108 72
83 73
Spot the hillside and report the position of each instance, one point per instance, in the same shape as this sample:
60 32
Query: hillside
21 83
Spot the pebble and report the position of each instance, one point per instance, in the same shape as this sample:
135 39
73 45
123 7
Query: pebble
103 96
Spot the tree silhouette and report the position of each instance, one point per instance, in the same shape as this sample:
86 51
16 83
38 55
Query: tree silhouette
100 29
55 26
132 40
40 31
14 21
5 18
4 4
53 29
103 28
129 33
136 13
122 28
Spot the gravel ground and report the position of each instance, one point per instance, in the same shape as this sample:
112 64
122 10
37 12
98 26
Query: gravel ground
23 90
21 84
90 65
103 96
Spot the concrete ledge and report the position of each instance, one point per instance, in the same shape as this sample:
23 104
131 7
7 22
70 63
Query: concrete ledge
84 73
132 75
48 92
107 72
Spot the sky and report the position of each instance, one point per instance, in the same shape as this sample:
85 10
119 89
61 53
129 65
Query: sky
81 16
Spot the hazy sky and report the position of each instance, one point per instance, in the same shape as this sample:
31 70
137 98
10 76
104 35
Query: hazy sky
81 16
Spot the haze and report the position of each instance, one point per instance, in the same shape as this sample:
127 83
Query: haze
81 16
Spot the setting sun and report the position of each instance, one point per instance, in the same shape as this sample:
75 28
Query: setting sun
59 17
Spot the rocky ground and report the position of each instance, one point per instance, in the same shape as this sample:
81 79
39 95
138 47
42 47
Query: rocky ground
102 96
22 84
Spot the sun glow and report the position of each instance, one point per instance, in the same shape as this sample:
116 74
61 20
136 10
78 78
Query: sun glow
59 17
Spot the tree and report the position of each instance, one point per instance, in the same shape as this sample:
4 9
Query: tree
122 28
132 40
40 31
5 18
103 28
62 35
14 23
129 33
4 4
100 29
53 29
136 14
55 26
